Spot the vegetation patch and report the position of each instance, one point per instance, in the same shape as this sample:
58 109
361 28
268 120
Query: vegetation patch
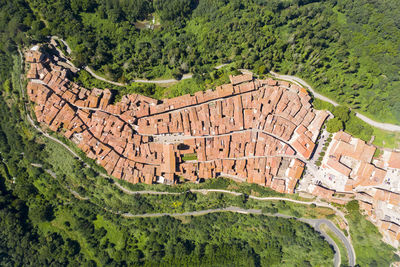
367 241
190 156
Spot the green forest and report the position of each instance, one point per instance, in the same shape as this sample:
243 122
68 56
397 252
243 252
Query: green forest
54 211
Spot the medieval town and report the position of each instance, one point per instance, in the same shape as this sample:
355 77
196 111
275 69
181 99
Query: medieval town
250 130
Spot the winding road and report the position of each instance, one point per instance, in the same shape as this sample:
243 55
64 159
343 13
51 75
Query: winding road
88 69
205 191
348 246
314 222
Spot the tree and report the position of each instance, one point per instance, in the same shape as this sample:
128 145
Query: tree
173 9
334 125
352 206
90 172
177 74
72 247
41 213
342 113
4 146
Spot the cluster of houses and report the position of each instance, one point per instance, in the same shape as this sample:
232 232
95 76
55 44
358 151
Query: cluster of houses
353 169
259 131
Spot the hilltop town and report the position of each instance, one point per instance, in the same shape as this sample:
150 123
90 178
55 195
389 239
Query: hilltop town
251 130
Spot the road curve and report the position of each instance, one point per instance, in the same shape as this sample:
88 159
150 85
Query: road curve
301 82
69 50
205 191
337 258
315 223
184 77
102 78
318 222
51 137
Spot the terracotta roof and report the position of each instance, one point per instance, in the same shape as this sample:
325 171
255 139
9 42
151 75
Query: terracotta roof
169 165
342 136
323 192
120 136
240 78
339 167
394 161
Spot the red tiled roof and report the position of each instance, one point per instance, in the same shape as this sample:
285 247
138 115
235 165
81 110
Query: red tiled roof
118 135
394 161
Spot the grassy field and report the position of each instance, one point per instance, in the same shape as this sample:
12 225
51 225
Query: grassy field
386 139
192 156
60 158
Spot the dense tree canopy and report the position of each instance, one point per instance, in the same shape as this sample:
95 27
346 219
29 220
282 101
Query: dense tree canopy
334 125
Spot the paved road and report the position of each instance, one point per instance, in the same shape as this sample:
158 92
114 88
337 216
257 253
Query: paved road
337 258
205 191
88 69
301 82
69 51
316 223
